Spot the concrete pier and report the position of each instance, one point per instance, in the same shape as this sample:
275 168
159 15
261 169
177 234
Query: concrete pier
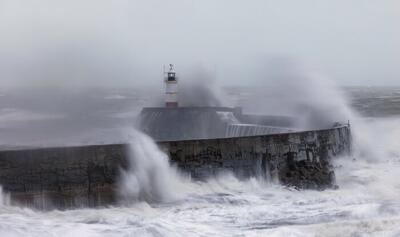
67 177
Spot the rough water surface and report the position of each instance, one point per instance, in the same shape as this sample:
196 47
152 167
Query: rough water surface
366 204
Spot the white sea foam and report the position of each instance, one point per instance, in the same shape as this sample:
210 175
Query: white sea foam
162 203
4 198
365 205
149 176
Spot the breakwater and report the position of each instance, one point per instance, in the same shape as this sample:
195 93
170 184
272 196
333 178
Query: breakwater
88 175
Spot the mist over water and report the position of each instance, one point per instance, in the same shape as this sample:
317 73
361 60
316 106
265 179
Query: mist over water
158 201
199 87
291 88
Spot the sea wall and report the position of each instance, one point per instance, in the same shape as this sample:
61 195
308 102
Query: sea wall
62 177
301 159
88 175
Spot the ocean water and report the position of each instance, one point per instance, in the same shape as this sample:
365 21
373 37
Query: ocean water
366 204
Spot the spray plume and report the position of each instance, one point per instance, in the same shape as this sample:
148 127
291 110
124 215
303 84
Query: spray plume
149 176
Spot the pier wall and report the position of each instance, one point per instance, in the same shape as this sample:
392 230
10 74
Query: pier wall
88 175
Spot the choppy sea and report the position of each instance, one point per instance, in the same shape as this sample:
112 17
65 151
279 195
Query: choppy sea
367 202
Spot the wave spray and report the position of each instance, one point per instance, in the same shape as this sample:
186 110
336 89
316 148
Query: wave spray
149 176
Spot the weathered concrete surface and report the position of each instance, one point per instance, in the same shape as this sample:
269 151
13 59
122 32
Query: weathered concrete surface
67 176
183 123
298 159
88 176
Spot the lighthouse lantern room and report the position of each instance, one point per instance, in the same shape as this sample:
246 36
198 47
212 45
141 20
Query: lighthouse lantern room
171 88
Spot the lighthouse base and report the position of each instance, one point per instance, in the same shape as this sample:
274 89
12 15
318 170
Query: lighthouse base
183 123
171 104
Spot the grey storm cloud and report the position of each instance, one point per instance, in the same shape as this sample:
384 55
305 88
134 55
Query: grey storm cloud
125 43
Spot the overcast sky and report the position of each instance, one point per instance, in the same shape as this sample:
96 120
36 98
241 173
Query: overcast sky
126 42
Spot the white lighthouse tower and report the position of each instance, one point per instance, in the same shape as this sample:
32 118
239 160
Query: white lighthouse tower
171 88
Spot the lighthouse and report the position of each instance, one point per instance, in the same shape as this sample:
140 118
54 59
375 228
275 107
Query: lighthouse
171 88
